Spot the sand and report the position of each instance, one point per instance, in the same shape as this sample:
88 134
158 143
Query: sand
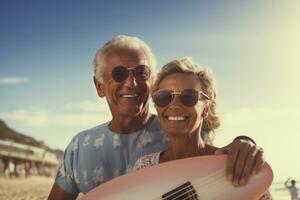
32 188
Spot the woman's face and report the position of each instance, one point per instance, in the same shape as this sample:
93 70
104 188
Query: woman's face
175 118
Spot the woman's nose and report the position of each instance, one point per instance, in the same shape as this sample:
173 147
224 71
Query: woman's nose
175 100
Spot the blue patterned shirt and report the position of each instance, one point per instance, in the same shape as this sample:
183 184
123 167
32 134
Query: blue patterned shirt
97 155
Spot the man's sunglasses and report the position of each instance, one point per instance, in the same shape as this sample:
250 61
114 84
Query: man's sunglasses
141 73
188 97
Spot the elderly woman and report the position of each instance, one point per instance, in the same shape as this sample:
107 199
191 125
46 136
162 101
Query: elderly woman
184 96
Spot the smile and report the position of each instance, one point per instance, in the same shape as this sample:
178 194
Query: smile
129 95
176 118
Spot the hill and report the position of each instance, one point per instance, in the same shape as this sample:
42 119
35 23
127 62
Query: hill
7 133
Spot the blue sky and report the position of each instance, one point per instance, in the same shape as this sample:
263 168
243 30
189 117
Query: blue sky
253 48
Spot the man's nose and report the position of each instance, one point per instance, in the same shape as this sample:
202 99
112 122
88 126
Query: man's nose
130 81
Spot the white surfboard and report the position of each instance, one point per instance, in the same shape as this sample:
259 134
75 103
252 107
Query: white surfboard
194 178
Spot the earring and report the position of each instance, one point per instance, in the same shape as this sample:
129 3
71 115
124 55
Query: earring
205 113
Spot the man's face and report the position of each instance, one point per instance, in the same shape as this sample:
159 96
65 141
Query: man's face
128 98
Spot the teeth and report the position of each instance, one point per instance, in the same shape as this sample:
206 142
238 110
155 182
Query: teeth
129 95
176 118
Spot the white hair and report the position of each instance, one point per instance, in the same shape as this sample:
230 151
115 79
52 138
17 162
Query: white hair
122 42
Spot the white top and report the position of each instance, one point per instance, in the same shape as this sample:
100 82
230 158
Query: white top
293 191
147 161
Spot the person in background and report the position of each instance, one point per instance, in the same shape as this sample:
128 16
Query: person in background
123 73
5 166
11 168
292 188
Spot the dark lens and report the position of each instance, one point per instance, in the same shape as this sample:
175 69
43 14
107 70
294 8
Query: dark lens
141 73
162 98
189 97
119 74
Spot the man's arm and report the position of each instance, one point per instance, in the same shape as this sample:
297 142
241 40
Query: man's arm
245 158
57 193
65 186
286 182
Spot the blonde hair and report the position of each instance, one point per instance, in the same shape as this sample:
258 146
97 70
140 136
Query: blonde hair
207 81
122 42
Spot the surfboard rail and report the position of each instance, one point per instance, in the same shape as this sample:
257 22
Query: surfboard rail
201 177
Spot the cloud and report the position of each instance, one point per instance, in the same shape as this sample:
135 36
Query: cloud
262 124
266 115
87 106
79 115
82 114
275 129
13 80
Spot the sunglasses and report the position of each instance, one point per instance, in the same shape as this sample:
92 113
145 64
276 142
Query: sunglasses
141 73
188 97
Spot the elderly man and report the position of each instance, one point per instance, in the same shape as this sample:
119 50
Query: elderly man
124 70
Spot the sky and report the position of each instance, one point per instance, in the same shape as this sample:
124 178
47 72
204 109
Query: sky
252 47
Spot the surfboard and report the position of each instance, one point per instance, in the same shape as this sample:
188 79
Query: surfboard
193 178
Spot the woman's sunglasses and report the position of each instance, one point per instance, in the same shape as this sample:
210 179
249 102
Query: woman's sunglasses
188 97
141 73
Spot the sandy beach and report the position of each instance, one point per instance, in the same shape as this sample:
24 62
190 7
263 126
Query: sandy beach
34 188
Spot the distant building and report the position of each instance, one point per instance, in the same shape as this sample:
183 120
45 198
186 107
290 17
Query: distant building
27 155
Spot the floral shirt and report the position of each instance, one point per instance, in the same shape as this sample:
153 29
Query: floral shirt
97 155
